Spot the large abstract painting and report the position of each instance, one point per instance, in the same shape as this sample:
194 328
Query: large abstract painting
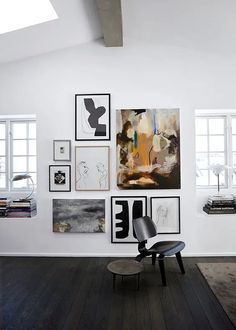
79 215
148 149
92 117
123 210
92 168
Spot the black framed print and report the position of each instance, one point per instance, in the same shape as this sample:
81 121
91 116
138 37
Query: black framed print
60 178
165 212
62 150
123 210
92 117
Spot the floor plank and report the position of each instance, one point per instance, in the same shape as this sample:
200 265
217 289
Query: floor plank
77 293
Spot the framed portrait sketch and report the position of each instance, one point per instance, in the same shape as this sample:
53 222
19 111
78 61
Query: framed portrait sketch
92 117
62 150
123 210
165 212
78 215
92 170
59 178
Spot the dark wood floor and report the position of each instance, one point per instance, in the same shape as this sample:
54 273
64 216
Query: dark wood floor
76 293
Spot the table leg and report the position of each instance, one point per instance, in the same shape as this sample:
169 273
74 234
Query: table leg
138 280
114 282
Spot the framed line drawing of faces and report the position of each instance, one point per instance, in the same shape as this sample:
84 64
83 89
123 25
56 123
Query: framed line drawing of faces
92 117
60 178
92 168
165 212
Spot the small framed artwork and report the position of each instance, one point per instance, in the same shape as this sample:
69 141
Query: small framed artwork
123 210
92 170
62 150
59 178
165 212
92 117
78 215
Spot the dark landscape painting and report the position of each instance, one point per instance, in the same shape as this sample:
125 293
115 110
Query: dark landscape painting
148 149
79 215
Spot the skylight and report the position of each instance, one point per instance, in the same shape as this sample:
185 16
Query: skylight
18 14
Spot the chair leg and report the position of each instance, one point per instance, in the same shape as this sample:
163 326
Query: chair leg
140 256
154 259
162 269
180 262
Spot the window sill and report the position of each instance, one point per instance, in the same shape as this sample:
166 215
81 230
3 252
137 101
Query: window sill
203 215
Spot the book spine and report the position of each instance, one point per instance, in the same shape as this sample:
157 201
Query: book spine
210 211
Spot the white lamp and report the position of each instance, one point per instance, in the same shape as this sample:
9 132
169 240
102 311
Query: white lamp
19 177
217 169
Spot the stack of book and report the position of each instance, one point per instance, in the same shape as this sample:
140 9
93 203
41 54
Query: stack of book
224 204
22 208
4 207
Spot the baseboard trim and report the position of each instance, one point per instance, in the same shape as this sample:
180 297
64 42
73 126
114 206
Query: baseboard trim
112 255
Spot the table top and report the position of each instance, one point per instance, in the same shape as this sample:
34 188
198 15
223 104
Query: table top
125 267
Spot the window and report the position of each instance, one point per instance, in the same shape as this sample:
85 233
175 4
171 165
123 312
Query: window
3 158
215 144
17 152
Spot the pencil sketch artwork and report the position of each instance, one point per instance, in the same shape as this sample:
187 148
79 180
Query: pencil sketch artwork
79 215
102 175
83 175
92 168
148 149
165 214
92 117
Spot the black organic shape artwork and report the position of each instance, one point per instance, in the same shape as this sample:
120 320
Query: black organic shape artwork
92 117
95 114
124 211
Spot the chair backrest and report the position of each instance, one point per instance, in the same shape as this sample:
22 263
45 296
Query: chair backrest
144 228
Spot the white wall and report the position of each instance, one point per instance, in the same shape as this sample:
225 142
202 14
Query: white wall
138 75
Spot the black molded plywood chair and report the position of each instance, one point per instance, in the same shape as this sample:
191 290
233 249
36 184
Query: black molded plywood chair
145 228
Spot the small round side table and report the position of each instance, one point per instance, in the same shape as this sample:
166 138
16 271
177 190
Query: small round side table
125 267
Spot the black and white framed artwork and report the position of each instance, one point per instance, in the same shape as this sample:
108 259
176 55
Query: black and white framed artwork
59 178
92 170
92 117
165 212
62 150
123 210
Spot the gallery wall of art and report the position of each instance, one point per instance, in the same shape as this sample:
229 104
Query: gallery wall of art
161 82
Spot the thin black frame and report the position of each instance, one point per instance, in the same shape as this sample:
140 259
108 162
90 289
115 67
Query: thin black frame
50 166
124 197
167 197
54 155
109 117
108 167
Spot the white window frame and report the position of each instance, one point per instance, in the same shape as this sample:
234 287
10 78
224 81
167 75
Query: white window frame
6 155
9 120
228 115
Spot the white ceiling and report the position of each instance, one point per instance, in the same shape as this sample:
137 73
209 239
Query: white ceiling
208 25
78 23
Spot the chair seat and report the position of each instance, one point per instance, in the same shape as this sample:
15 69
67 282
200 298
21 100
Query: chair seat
167 248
